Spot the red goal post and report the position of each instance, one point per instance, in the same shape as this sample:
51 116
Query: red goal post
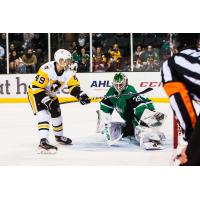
177 133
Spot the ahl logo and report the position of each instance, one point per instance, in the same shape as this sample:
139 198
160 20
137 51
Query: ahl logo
100 83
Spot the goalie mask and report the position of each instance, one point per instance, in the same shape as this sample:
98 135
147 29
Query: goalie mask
120 82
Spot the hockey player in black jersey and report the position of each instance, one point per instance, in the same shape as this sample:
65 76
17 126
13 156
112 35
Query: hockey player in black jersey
181 81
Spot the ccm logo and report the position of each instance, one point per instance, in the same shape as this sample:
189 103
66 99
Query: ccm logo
150 84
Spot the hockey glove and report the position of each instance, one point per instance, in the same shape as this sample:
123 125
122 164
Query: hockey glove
47 101
84 99
152 118
159 116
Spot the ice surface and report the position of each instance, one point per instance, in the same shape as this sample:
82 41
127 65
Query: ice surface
19 139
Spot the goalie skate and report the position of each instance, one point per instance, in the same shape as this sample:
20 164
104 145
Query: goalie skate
153 145
114 142
45 148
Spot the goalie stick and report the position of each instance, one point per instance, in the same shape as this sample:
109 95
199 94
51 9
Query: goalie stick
131 94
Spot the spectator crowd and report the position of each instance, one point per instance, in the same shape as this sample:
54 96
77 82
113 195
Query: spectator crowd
150 52
3 54
27 52
110 52
79 46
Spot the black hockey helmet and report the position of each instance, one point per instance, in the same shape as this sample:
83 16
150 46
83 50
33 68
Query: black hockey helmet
185 40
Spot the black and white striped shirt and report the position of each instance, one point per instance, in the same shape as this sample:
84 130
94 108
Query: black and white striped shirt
184 67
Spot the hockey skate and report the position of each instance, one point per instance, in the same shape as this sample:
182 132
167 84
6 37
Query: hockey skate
153 145
45 148
63 140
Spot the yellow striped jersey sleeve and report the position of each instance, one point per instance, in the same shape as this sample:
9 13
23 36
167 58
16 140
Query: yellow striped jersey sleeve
72 83
41 80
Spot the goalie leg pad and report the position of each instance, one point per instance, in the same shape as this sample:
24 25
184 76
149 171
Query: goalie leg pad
116 130
148 138
103 121
113 133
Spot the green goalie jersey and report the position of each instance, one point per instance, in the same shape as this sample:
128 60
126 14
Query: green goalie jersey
130 107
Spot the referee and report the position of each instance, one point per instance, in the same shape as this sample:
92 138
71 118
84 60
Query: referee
181 81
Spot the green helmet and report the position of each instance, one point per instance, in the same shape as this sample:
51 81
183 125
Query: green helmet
120 82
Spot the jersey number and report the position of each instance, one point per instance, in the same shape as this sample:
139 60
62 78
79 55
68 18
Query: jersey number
40 79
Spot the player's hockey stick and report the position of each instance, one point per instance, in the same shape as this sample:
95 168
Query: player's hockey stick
76 100
131 94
